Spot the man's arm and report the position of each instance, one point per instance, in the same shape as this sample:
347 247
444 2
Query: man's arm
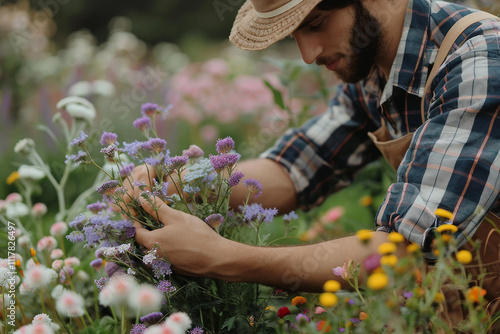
193 248
277 187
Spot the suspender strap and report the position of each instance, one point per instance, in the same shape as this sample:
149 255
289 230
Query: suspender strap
448 42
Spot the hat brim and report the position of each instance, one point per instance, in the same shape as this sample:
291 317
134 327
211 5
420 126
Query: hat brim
251 32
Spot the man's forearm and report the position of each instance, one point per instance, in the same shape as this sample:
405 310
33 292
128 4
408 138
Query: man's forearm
298 268
277 187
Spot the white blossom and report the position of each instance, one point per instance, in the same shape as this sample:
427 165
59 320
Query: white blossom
78 108
31 172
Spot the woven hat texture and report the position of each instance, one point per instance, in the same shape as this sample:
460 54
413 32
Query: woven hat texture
252 32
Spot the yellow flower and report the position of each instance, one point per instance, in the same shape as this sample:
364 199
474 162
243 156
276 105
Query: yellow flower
364 235
366 200
396 237
443 214
331 285
298 300
412 248
464 256
270 308
377 281
33 252
475 294
438 298
13 177
389 260
328 299
446 238
386 248
447 228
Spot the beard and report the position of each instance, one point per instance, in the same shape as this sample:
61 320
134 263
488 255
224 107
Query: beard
364 44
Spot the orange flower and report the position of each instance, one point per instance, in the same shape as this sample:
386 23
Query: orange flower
475 294
320 326
363 316
298 300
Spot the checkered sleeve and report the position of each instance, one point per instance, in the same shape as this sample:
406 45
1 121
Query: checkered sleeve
453 162
324 154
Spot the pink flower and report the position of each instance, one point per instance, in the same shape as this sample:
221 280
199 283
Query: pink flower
72 261
38 276
57 264
179 320
56 254
333 214
319 310
58 229
146 299
14 198
217 67
340 271
70 304
46 243
39 209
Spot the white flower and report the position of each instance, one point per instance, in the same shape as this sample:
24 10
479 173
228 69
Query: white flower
14 198
148 258
39 209
120 287
70 304
145 299
38 276
39 328
105 297
80 88
30 263
4 275
72 261
78 107
57 264
24 146
82 276
25 289
124 248
56 254
31 172
16 210
43 318
103 87
179 320
46 243
108 252
23 241
58 229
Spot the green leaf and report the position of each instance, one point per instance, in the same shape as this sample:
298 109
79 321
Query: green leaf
229 323
278 97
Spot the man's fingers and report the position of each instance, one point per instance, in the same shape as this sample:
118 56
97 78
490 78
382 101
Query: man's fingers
159 210
142 235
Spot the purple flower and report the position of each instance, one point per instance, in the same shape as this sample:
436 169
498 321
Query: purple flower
215 220
161 268
138 329
301 317
108 187
110 151
407 294
225 145
108 138
372 262
76 158
177 162
65 273
155 145
76 236
96 264
165 287
193 152
78 222
256 212
142 123
149 109
219 162
97 207
254 186
196 330
132 149
152 318
80 140
288 217
341 329
235 178
112 268
127 170
152 161
355 320
101 282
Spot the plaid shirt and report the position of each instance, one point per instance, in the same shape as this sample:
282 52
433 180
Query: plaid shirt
453 161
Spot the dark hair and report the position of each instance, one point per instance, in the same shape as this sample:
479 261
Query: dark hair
335 4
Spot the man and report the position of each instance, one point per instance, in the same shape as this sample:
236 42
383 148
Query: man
384 50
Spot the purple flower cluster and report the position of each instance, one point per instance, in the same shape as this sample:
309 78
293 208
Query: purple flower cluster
108 187
76 158
97 207
109 151
127 170
219 162
142 123
176 163
108 138
235 178
138 329
112 268
155 145
196 330
151 318
161 268
255 212
225 145
193 152
149 109
165 286
80 140
254 186
214 220
101 282
288 217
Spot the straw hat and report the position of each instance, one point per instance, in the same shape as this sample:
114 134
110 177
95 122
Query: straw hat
260 23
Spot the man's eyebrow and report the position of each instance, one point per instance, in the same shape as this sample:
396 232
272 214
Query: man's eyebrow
309 18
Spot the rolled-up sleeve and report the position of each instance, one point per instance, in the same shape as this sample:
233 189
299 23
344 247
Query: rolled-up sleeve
324 154
453 162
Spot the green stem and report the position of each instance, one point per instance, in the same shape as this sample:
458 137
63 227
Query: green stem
123 320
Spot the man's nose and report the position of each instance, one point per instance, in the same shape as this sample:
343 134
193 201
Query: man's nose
309 48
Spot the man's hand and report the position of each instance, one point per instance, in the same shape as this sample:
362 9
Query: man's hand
190 245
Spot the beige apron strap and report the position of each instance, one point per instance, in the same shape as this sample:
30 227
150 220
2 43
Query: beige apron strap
448 42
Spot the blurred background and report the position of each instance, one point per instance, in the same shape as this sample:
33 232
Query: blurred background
121 54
